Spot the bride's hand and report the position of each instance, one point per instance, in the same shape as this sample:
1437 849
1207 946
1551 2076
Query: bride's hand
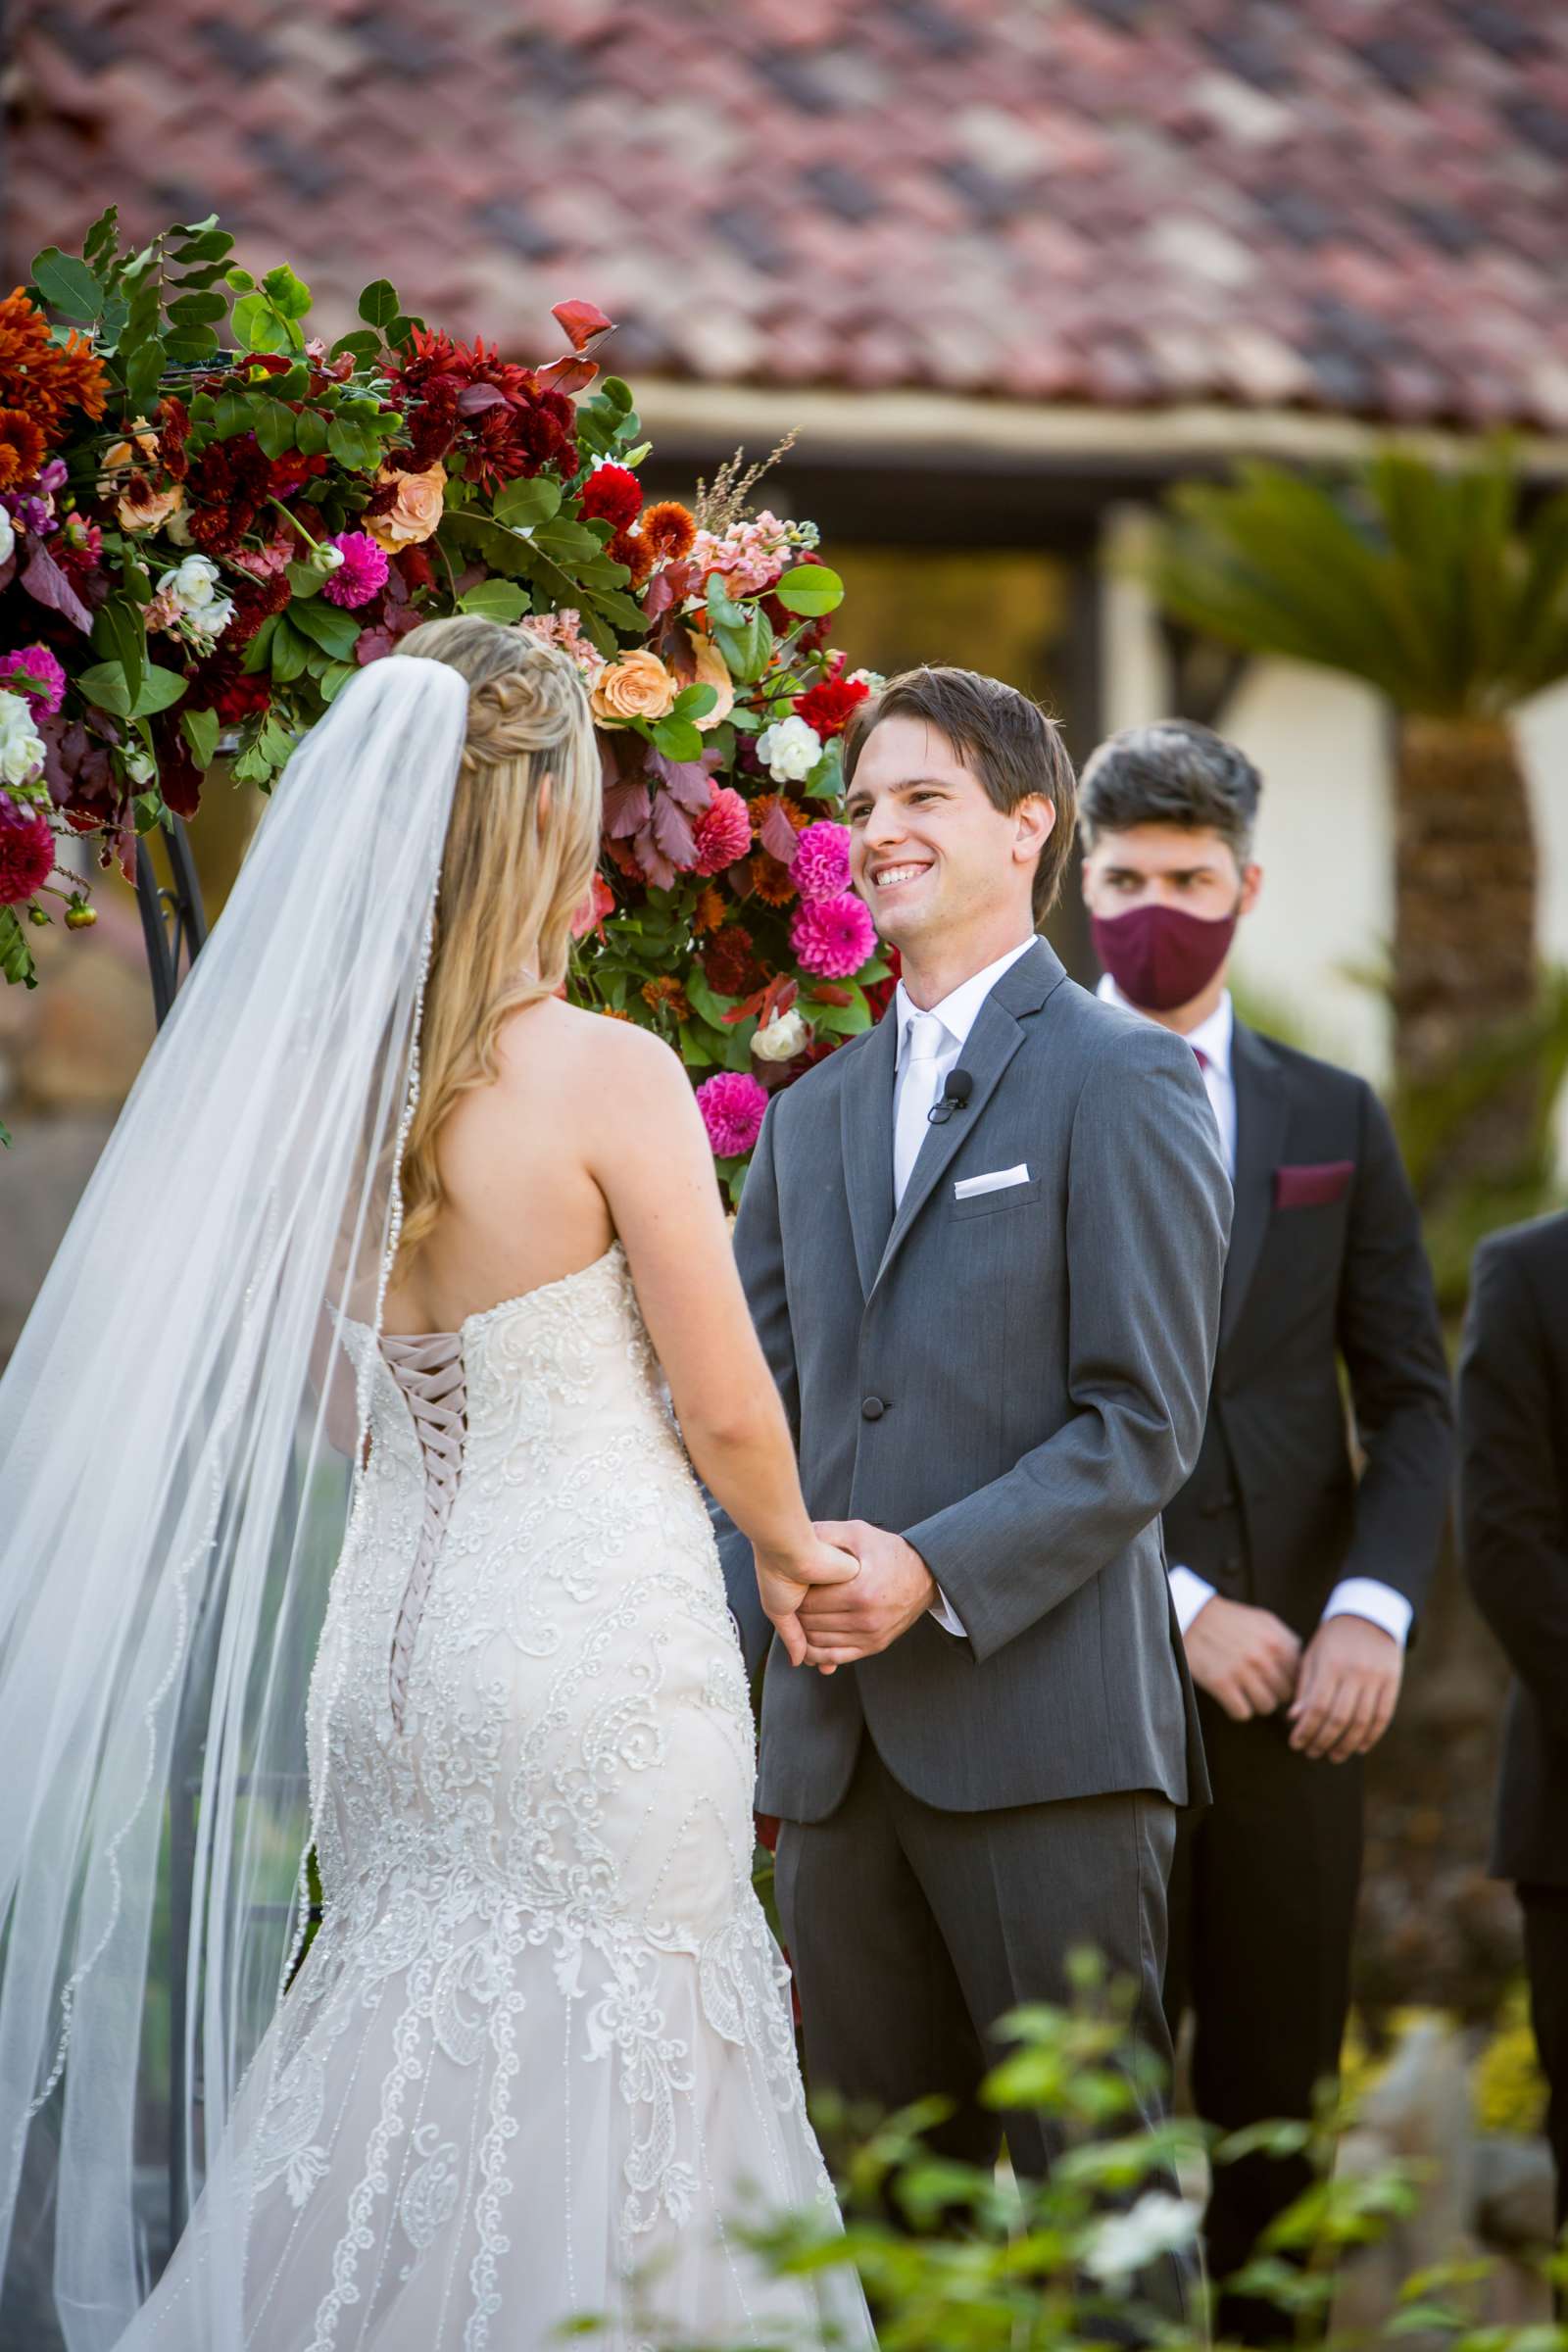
784 1578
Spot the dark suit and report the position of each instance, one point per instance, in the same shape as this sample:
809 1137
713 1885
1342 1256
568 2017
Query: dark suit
1264 1895
1514 1520
1014 1382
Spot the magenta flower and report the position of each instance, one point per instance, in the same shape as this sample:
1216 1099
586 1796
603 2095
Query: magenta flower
42 681
732 1107
361 573
722 834
821 868
833 937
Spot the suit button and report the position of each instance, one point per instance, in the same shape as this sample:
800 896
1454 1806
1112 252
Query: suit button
873 1409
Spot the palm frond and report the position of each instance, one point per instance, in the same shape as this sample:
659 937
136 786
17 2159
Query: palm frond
1420 579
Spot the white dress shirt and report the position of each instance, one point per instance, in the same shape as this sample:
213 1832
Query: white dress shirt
926 1059
1353 1595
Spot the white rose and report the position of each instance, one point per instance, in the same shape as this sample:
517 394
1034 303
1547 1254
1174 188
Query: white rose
8 536
21 744
784 1036
193 583
789 749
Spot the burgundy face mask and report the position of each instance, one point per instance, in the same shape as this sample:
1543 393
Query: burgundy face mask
1161 956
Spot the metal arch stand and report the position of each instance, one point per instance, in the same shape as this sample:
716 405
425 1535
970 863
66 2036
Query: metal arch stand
172 919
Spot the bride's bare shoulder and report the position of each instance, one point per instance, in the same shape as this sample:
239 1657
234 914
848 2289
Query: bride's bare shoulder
588 1051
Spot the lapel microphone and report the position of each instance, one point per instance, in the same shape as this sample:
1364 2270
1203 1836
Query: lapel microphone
954 1095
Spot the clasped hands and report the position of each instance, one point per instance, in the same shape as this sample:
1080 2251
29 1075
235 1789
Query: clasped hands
1340 1690
851 1596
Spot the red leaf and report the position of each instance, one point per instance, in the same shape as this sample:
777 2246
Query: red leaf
568 376
671 831
656 866
581 323
686 781
825 992
778 836
44 580
626 810
659 596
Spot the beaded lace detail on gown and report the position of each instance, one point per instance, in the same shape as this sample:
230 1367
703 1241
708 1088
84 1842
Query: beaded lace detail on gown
540 2053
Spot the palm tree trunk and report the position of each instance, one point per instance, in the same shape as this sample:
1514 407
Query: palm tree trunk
1465 950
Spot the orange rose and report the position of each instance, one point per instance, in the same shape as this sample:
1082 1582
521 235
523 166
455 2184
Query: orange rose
415 513
636 685
141 508
712 671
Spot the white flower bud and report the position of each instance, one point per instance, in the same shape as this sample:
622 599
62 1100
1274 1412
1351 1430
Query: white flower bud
21 744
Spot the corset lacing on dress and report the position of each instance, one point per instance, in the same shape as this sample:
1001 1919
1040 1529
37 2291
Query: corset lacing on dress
427 1367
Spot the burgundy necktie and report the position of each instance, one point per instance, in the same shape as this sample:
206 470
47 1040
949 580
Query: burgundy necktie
1203 1057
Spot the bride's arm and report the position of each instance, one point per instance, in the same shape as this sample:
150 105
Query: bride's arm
650 1157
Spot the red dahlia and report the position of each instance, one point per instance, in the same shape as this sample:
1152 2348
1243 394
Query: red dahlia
26 852
611 494
227 491
827 706
729 965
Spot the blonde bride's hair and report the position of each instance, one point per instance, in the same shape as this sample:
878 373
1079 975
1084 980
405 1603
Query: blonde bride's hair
509 883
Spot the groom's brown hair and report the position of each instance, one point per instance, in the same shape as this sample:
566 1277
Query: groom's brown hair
1015 748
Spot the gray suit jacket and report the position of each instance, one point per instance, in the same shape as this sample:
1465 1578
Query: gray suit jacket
1015 1382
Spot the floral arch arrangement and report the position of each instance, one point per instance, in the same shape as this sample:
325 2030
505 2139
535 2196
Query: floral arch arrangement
209 518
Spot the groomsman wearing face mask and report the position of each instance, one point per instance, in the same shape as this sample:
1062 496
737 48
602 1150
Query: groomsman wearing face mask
1294 1578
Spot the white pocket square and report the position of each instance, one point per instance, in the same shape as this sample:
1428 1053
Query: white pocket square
998 1181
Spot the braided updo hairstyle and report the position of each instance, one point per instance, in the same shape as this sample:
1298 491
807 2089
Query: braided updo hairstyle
511 880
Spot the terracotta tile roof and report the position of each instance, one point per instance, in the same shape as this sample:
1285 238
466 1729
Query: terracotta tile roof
1353 205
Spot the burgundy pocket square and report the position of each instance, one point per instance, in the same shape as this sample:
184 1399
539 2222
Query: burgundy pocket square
1312 1186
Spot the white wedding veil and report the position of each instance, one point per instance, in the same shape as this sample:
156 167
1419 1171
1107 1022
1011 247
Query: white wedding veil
178 1428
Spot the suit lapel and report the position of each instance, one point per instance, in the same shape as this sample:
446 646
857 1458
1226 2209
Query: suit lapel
991 1044
1261 1112
866 1113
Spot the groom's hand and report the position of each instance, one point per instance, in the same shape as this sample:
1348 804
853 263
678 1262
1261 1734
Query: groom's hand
894 1588
1245 1657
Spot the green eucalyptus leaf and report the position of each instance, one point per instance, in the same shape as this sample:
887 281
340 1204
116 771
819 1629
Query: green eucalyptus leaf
188 346
291 649
274 428
104 685
677 737
67 284
201 730
256 326
378 304
197 309
495 599
159 689
810 588
289 295
525 505
329 626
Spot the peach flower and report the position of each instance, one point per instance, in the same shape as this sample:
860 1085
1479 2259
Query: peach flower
712 671
637 685
415 513
141 508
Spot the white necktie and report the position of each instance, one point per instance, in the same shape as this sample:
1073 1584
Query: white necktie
924 1042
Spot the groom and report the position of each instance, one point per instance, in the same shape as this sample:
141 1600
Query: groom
983 1248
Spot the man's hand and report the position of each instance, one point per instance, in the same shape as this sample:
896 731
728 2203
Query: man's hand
1245 1657
1348 1687
895 1586
783 1582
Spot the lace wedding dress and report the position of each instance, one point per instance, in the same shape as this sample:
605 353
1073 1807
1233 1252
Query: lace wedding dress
539 2056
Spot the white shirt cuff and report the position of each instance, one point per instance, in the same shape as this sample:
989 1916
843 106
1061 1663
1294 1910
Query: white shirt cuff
1379 1603
1190 1593
943 1610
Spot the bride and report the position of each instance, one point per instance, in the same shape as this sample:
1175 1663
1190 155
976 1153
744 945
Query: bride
343 1514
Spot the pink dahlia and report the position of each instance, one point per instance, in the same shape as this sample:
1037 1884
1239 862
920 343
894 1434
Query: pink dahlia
732 1107
722 833
833 937
361 573
28 855
821 865
42 680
